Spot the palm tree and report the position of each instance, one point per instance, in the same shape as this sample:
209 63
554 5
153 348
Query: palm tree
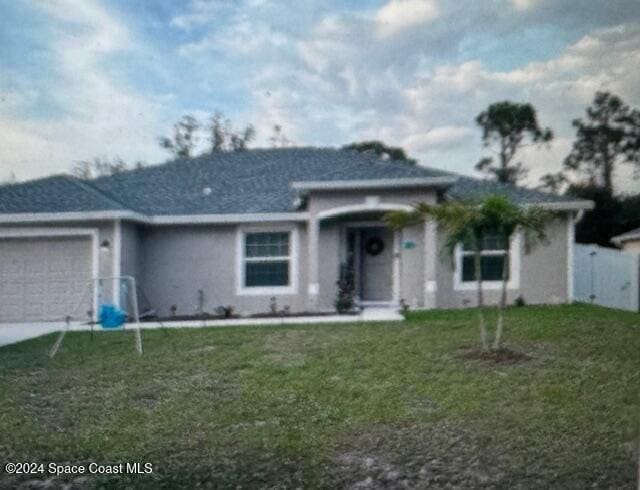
504 218
470 223
462 223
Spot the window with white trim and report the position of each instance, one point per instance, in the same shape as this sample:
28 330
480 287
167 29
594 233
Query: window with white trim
495 251
267 259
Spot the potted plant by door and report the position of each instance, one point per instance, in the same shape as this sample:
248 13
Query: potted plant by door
345 295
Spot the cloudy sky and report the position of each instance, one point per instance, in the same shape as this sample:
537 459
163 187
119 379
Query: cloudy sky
85 78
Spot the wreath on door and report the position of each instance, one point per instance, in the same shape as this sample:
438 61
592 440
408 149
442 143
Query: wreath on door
374 246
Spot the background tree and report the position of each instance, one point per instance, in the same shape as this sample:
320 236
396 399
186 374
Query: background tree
278 139
506 127
225 138
184 139
239 141
629 216
597 225
611 216
379 148
219 128
472 223
553 182
187 134
607 137
101 167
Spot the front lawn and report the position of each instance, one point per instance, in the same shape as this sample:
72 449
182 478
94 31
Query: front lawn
361 406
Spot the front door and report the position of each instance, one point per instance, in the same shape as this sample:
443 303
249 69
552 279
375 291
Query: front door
376 264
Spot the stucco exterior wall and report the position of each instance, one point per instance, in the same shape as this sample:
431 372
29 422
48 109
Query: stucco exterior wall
329 258
132 256
412 266
172 264
181 260
325 200
106 259
544 268
543 273
132 260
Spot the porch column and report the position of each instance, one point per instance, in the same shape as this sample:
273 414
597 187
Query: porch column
430 263
313 232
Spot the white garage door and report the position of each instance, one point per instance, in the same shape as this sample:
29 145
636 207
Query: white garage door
44 278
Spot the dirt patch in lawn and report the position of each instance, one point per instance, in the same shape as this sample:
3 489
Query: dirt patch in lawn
416 456
503 356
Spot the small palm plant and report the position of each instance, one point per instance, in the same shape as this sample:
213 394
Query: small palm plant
470 223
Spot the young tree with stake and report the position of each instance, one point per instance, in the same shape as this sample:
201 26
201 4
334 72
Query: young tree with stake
471 223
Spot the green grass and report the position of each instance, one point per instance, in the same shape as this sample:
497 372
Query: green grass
378 405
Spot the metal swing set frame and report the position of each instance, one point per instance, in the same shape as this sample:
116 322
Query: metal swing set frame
95 289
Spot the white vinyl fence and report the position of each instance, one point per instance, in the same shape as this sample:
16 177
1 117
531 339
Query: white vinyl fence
606 277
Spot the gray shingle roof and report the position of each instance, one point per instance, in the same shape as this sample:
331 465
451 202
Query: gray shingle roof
468 188
254 181
59 193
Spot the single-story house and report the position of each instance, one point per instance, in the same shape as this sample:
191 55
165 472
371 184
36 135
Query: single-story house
259 229
629 241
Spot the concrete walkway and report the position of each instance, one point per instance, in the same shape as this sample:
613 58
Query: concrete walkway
17 332
12 333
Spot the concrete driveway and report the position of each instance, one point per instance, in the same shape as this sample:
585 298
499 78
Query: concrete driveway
12 333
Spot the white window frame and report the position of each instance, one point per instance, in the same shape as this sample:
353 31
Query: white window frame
292 287
515 253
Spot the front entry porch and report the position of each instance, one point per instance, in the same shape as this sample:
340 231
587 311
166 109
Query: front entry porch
354 244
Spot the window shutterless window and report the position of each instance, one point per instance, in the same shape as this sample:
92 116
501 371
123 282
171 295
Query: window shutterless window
495 251
267 259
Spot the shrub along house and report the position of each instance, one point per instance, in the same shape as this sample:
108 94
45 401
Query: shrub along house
251 228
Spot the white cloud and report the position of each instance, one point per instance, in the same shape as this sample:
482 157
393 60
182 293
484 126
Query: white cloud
242 38
399 73
523 5
24 147
340 94
199 12
398 15
102 116
442 137
100 31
